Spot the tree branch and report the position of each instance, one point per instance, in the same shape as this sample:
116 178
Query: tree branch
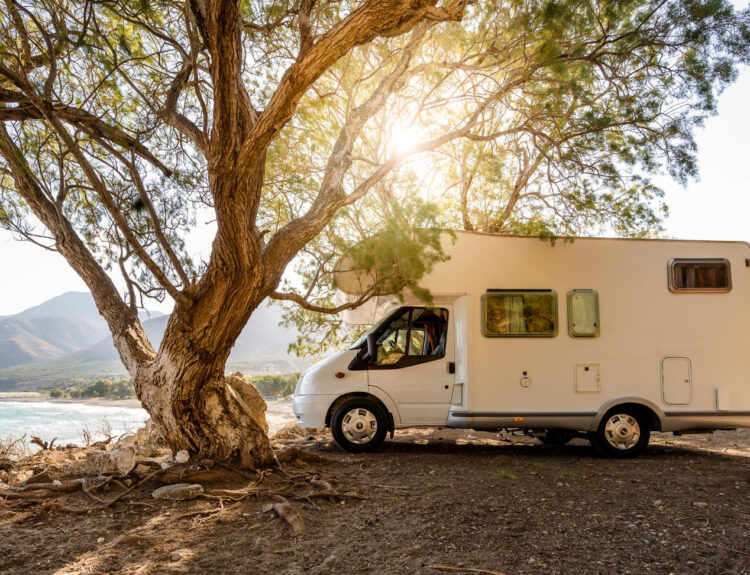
27 109
305 304
373 19
129 337
171 116
114 212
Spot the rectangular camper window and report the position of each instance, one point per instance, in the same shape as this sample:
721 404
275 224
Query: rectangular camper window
519 313
583 313
700 275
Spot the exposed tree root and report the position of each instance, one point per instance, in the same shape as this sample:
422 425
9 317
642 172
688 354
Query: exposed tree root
464 569
284 509
292 454
296 479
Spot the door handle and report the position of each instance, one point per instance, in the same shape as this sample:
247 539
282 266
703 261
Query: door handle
451 367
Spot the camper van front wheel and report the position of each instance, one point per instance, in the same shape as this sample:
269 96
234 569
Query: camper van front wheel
623 432
359 425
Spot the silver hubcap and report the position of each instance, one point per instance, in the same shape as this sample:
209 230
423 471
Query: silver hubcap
622 431
359 425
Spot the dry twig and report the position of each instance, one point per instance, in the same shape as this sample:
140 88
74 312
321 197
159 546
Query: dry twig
464 569
284 509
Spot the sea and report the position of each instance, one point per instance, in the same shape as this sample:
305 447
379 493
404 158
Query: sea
66 421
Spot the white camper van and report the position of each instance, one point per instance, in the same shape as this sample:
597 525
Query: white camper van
603 338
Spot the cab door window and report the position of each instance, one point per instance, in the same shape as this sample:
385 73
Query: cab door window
415 335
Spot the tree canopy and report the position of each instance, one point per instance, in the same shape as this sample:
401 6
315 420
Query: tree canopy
303 129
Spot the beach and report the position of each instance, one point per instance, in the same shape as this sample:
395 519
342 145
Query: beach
66 419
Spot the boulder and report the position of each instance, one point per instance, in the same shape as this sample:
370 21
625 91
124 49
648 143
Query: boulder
250 398
178 491
41 477
121 460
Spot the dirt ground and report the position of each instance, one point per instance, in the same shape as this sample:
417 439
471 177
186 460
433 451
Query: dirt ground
430 500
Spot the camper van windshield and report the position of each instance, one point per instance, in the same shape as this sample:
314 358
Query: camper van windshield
361 340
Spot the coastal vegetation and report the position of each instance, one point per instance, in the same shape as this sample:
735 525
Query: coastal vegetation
270 386
275 385
101 388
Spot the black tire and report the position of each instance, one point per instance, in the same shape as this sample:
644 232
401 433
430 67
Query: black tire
557 437
623 432
347 419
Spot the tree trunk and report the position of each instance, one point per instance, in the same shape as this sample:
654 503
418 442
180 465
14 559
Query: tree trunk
196 405
220 417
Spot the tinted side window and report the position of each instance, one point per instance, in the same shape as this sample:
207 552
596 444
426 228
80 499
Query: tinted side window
416 333
700 275
515 313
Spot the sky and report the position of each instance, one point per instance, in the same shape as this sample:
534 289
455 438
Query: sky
715 207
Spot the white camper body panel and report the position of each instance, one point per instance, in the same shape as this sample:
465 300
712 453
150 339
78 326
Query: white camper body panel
642 323
683 355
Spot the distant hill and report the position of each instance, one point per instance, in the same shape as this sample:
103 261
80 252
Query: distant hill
23 340
262 339
60 326
65 337
71 304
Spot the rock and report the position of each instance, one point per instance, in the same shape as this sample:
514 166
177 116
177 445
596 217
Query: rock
100 541
121 460
41 477
700 504
178 491
182 457
182 554
18 478
658 503
251 400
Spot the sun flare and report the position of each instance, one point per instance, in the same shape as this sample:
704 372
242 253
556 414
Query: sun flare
405 138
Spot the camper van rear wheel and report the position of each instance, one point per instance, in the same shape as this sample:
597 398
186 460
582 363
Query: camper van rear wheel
359 425
623 432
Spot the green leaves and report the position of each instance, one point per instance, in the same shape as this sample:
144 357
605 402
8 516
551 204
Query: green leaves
545 117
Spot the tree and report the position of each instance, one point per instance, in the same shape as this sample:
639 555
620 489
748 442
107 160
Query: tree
298 126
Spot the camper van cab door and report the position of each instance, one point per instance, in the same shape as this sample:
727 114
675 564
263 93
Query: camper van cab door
414 354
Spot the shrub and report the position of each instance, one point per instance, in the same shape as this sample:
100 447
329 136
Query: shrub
275 385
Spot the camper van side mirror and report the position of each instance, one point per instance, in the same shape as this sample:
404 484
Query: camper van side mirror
372 347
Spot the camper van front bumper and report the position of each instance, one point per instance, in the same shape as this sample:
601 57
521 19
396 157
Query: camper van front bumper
311 410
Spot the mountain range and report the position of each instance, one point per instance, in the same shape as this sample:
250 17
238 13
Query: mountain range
66 337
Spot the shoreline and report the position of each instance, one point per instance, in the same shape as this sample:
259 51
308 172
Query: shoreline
131 403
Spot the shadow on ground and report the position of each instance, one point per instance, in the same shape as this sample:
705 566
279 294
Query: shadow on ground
431 499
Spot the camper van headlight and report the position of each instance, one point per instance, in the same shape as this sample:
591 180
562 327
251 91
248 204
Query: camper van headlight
303 384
